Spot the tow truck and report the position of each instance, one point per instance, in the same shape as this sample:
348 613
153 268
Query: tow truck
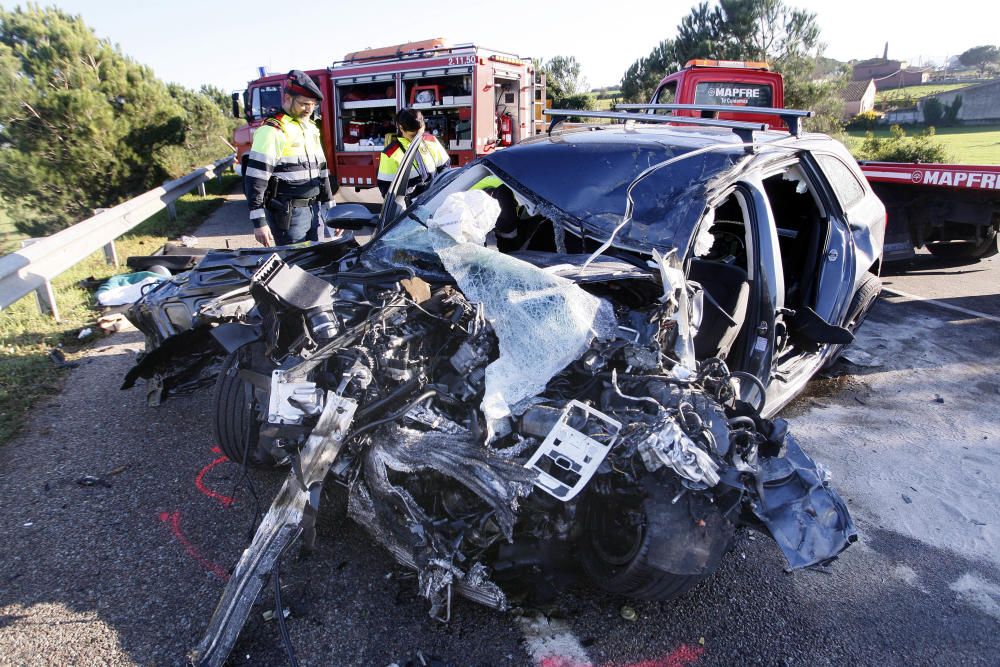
474 100
952 210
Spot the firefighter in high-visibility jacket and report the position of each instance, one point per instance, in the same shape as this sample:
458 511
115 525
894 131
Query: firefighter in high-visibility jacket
431 160
286 179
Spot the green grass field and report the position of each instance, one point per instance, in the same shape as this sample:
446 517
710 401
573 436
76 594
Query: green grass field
972 144
917 92
27 374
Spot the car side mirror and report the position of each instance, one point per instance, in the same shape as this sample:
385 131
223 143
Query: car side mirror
236 105
350 216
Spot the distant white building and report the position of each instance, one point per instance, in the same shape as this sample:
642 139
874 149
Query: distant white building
859 97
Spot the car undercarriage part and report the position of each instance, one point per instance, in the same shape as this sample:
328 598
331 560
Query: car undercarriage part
283 523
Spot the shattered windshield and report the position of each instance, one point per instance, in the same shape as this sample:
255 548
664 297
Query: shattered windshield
586 181
407 241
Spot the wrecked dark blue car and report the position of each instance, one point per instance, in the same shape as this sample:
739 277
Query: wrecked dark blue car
558 362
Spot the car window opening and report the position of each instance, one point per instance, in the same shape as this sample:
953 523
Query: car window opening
802 230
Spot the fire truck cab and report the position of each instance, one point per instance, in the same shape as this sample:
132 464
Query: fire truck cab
474 101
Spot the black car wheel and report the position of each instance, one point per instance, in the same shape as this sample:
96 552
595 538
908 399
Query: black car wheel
861 305
655 549
966 249
236 417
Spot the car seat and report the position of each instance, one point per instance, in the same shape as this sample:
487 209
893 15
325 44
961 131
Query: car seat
727 293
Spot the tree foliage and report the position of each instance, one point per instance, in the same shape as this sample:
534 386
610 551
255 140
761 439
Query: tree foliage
767 30
981 57
938 113
562 76
565 84
644 74
84 126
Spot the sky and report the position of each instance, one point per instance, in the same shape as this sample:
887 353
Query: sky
223 43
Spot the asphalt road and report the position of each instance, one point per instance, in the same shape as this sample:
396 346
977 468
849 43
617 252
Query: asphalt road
126 567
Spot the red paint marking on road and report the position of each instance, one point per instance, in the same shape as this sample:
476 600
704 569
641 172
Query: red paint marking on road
199 480
559 661
173 521
682 656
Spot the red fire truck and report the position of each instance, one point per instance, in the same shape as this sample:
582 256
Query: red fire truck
952 210
475 100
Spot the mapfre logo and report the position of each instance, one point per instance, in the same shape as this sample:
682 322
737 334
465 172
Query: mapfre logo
917 176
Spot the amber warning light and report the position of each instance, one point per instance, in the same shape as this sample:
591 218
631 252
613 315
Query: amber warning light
745 64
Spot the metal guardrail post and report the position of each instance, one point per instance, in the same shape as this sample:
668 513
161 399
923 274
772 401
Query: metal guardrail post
111 254
172 211
45 297
201 190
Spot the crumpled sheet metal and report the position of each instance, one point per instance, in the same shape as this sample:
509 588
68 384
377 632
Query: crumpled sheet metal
808 519
376 502
542 322
670 446
497 481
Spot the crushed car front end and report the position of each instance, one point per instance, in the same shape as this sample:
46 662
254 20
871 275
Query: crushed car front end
501 401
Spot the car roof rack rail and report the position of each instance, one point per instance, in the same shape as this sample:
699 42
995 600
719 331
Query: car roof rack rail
743 129
789 117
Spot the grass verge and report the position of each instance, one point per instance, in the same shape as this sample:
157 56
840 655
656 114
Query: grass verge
918 91
968 144
27 373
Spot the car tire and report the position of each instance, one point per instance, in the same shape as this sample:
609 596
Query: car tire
966 249
861 305
235 419
676 545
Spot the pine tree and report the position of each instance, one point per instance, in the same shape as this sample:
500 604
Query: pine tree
84 126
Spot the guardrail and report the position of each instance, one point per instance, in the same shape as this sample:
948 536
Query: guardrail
32 268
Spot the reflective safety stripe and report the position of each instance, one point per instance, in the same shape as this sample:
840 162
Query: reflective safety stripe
251 172
256 213
299 175
386 177
300 159
261 157
324 172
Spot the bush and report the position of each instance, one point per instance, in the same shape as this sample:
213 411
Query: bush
933 111
866 120
898 147
582 101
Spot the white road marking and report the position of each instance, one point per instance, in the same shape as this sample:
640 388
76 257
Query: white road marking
941 304
979 593
552 643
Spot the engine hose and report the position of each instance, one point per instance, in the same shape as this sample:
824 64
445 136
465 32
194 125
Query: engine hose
646 378
377 406
747 422
755 380
396 415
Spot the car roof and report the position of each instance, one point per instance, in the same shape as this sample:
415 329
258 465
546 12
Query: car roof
585 172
